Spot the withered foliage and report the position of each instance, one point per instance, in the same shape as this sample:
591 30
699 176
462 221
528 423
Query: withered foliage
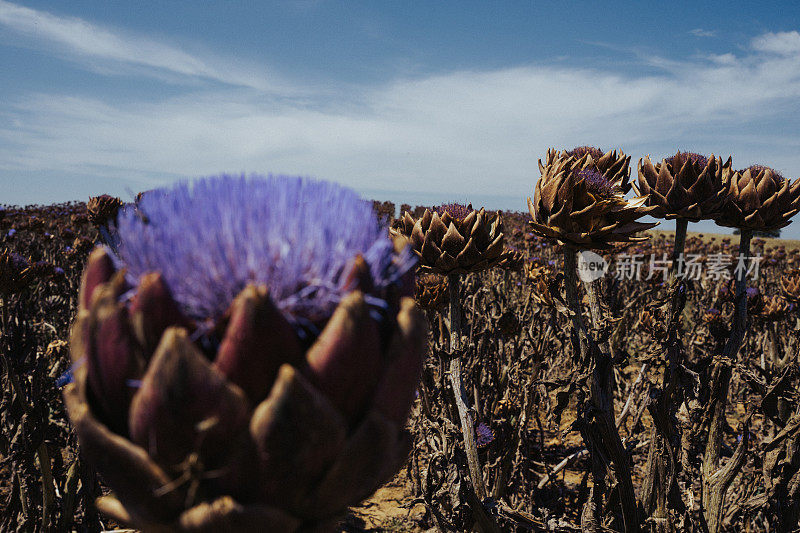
522 382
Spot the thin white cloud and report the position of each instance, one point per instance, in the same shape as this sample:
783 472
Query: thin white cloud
722 59
786 43
700 32
113 48
476 132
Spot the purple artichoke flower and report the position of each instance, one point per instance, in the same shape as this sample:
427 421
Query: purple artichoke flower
248 359
483 435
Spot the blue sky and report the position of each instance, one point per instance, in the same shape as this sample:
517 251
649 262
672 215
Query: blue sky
452 100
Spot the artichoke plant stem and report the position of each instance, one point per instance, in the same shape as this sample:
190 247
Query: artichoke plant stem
603 437
681 224
658 482
486 523
716 483
571 287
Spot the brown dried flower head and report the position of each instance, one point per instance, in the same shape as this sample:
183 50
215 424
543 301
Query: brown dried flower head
15 273
686 185
759 198
790 285
541 278
712 316
430 292
615 167
103 209
453 239
580 201
651 319
775 308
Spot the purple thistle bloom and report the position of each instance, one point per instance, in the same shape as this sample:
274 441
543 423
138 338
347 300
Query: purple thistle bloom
580 151
756 169
19 262
483 435
211 238
456 210
678 160
11 232
596 182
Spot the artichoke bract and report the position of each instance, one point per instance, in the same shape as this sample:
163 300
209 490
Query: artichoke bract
453 239
759 198
686 185
580 201
272 409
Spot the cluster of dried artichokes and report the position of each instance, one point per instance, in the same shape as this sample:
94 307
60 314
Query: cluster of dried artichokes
579 199
694 187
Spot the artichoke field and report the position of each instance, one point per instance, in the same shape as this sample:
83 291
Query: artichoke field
264 354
